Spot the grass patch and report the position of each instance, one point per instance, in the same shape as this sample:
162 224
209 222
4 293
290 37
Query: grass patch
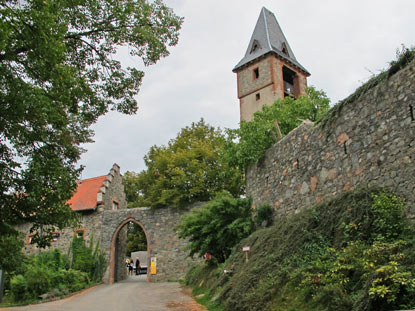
204 298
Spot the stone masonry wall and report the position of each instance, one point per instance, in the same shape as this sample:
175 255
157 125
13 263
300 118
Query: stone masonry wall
246 81
370 142
162 241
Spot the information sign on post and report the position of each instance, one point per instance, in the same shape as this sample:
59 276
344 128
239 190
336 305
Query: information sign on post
153 265
246 250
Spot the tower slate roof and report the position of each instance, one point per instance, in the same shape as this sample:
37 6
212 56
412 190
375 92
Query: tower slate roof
268 38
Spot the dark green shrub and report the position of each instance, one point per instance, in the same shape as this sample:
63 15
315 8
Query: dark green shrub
75 280
38 280
57 278
218 226
18 287
264 215
90 260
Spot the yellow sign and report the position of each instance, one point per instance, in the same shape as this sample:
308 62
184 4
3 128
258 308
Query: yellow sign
153 265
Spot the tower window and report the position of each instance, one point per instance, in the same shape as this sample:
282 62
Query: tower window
256 73
288 77
55 236
30 238
115 205
80 233
257 96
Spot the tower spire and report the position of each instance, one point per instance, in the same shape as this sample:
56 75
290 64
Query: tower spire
268 38
269 69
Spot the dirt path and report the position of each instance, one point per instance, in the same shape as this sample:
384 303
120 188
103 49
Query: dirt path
132 294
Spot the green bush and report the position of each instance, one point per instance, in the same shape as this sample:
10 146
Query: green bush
18 287
38 280
88 259
264 215
49 272
53 259
218 226
75 280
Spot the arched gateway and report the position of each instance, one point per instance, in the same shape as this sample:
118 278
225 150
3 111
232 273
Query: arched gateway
163 243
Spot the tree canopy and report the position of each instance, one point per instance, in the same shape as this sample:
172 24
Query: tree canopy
58 73
218 226
136 239
189 169
246 144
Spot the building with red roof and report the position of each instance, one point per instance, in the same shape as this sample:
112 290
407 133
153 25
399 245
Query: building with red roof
92 197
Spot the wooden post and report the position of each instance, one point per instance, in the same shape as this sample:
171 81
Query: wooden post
2 276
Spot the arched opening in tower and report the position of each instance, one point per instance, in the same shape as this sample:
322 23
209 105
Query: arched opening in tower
289 77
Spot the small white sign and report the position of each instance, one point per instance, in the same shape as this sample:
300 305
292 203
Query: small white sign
246 248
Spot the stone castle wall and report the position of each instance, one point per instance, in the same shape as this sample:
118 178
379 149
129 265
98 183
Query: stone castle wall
371 141
163 242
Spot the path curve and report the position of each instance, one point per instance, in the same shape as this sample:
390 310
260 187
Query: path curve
133 294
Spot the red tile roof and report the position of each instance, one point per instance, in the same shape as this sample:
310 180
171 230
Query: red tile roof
85 196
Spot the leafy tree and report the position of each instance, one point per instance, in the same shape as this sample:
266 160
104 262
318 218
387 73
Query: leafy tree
132 190
246 144
136 239
11 244
218 226
189 169
58 74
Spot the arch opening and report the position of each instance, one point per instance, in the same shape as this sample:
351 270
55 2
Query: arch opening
130 238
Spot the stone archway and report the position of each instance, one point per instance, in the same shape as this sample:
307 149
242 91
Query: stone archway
163 243
113 259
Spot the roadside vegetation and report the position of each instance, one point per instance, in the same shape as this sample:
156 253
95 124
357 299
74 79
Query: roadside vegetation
219 225
354 252
52 274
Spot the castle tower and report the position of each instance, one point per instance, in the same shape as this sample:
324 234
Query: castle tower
269 69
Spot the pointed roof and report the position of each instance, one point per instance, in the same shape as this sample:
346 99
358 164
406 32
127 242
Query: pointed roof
268 38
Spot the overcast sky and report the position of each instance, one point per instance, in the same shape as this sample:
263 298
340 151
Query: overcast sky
341 43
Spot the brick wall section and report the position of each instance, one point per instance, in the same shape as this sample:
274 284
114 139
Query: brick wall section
372 142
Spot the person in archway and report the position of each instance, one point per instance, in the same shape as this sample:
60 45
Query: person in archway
137 266
131 267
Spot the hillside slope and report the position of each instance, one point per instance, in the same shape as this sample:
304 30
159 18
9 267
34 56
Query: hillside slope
354 252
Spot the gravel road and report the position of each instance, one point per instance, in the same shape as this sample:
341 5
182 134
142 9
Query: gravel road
129 295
